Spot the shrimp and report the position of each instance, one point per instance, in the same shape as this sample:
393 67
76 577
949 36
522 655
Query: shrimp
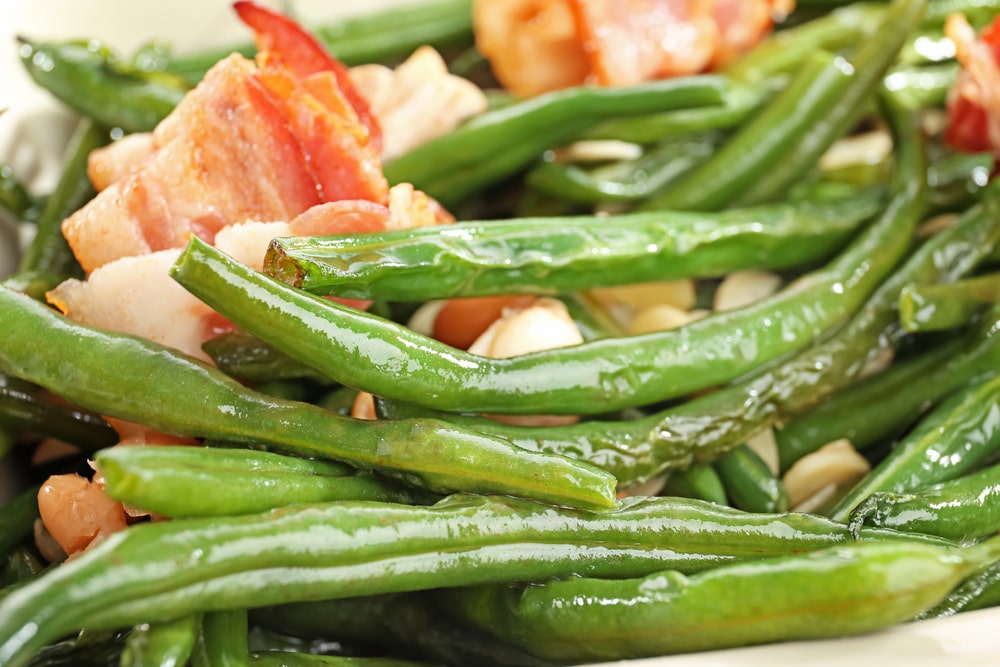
536 46
78 513
974 99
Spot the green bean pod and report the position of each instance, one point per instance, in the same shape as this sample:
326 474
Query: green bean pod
979 591
222 640
14 197
158 571
835 592
17 519
599 376
749 483
166 644
48 252
921 87
943 307
407 624
168 480
297 659
243 355
556 255
173 393
699 481
89 78
883 405
499 143
952 440
25 407
962 509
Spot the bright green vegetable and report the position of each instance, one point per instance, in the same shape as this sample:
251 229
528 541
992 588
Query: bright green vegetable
841 591
176 394
556 255
750 484
166 644
700 481
170 480
17 519
222 641
942 307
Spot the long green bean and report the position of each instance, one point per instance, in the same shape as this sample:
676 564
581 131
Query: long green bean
942 307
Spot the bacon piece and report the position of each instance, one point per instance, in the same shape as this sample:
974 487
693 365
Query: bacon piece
974 99
615 42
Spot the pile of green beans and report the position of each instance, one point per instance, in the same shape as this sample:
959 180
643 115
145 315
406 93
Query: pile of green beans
657 518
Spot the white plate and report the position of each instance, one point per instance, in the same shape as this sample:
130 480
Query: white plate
35 128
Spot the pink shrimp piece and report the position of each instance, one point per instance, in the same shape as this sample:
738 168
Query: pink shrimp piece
77 512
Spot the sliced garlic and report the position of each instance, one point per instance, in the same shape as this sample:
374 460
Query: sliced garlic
836 463
742 288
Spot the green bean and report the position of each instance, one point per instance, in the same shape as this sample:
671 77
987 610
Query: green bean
169 480
89 78
599 376
883 405
624 181
739 102
406 624
294 659
222 641
953 439
979 591
978 12
166 644
699 481
243 355
702 428
962 509
583 620
157 571
25 407
771 152
943 307
956 179
17 520
749 483
48 252
499 143
20 566
14 197
556 255
100 648
175 394
381 36
921 87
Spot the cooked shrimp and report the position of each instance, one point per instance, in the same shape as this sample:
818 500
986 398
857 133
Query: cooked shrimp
535 46
974 99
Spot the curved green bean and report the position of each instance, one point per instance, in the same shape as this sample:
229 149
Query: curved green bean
170 480
157 571
222 640
556 255
951 440
962 509
584 620
942 307
499 143
979 591
699 481
17 520
749 483
166 644
170 392
243 355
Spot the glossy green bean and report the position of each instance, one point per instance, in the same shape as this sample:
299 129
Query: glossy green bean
782 52
977 11
200 481
764 141
166 644
739 102
175 394
599 376
584 620
17 520
499 143
27 408
222 640
699 481
89 78
869 62
952 440
883 405
979 591
157 571
48 252
943 307
243 355
380 36
624 181
407 624
962 509
921 87
956 179
14 197
749 483
556 255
